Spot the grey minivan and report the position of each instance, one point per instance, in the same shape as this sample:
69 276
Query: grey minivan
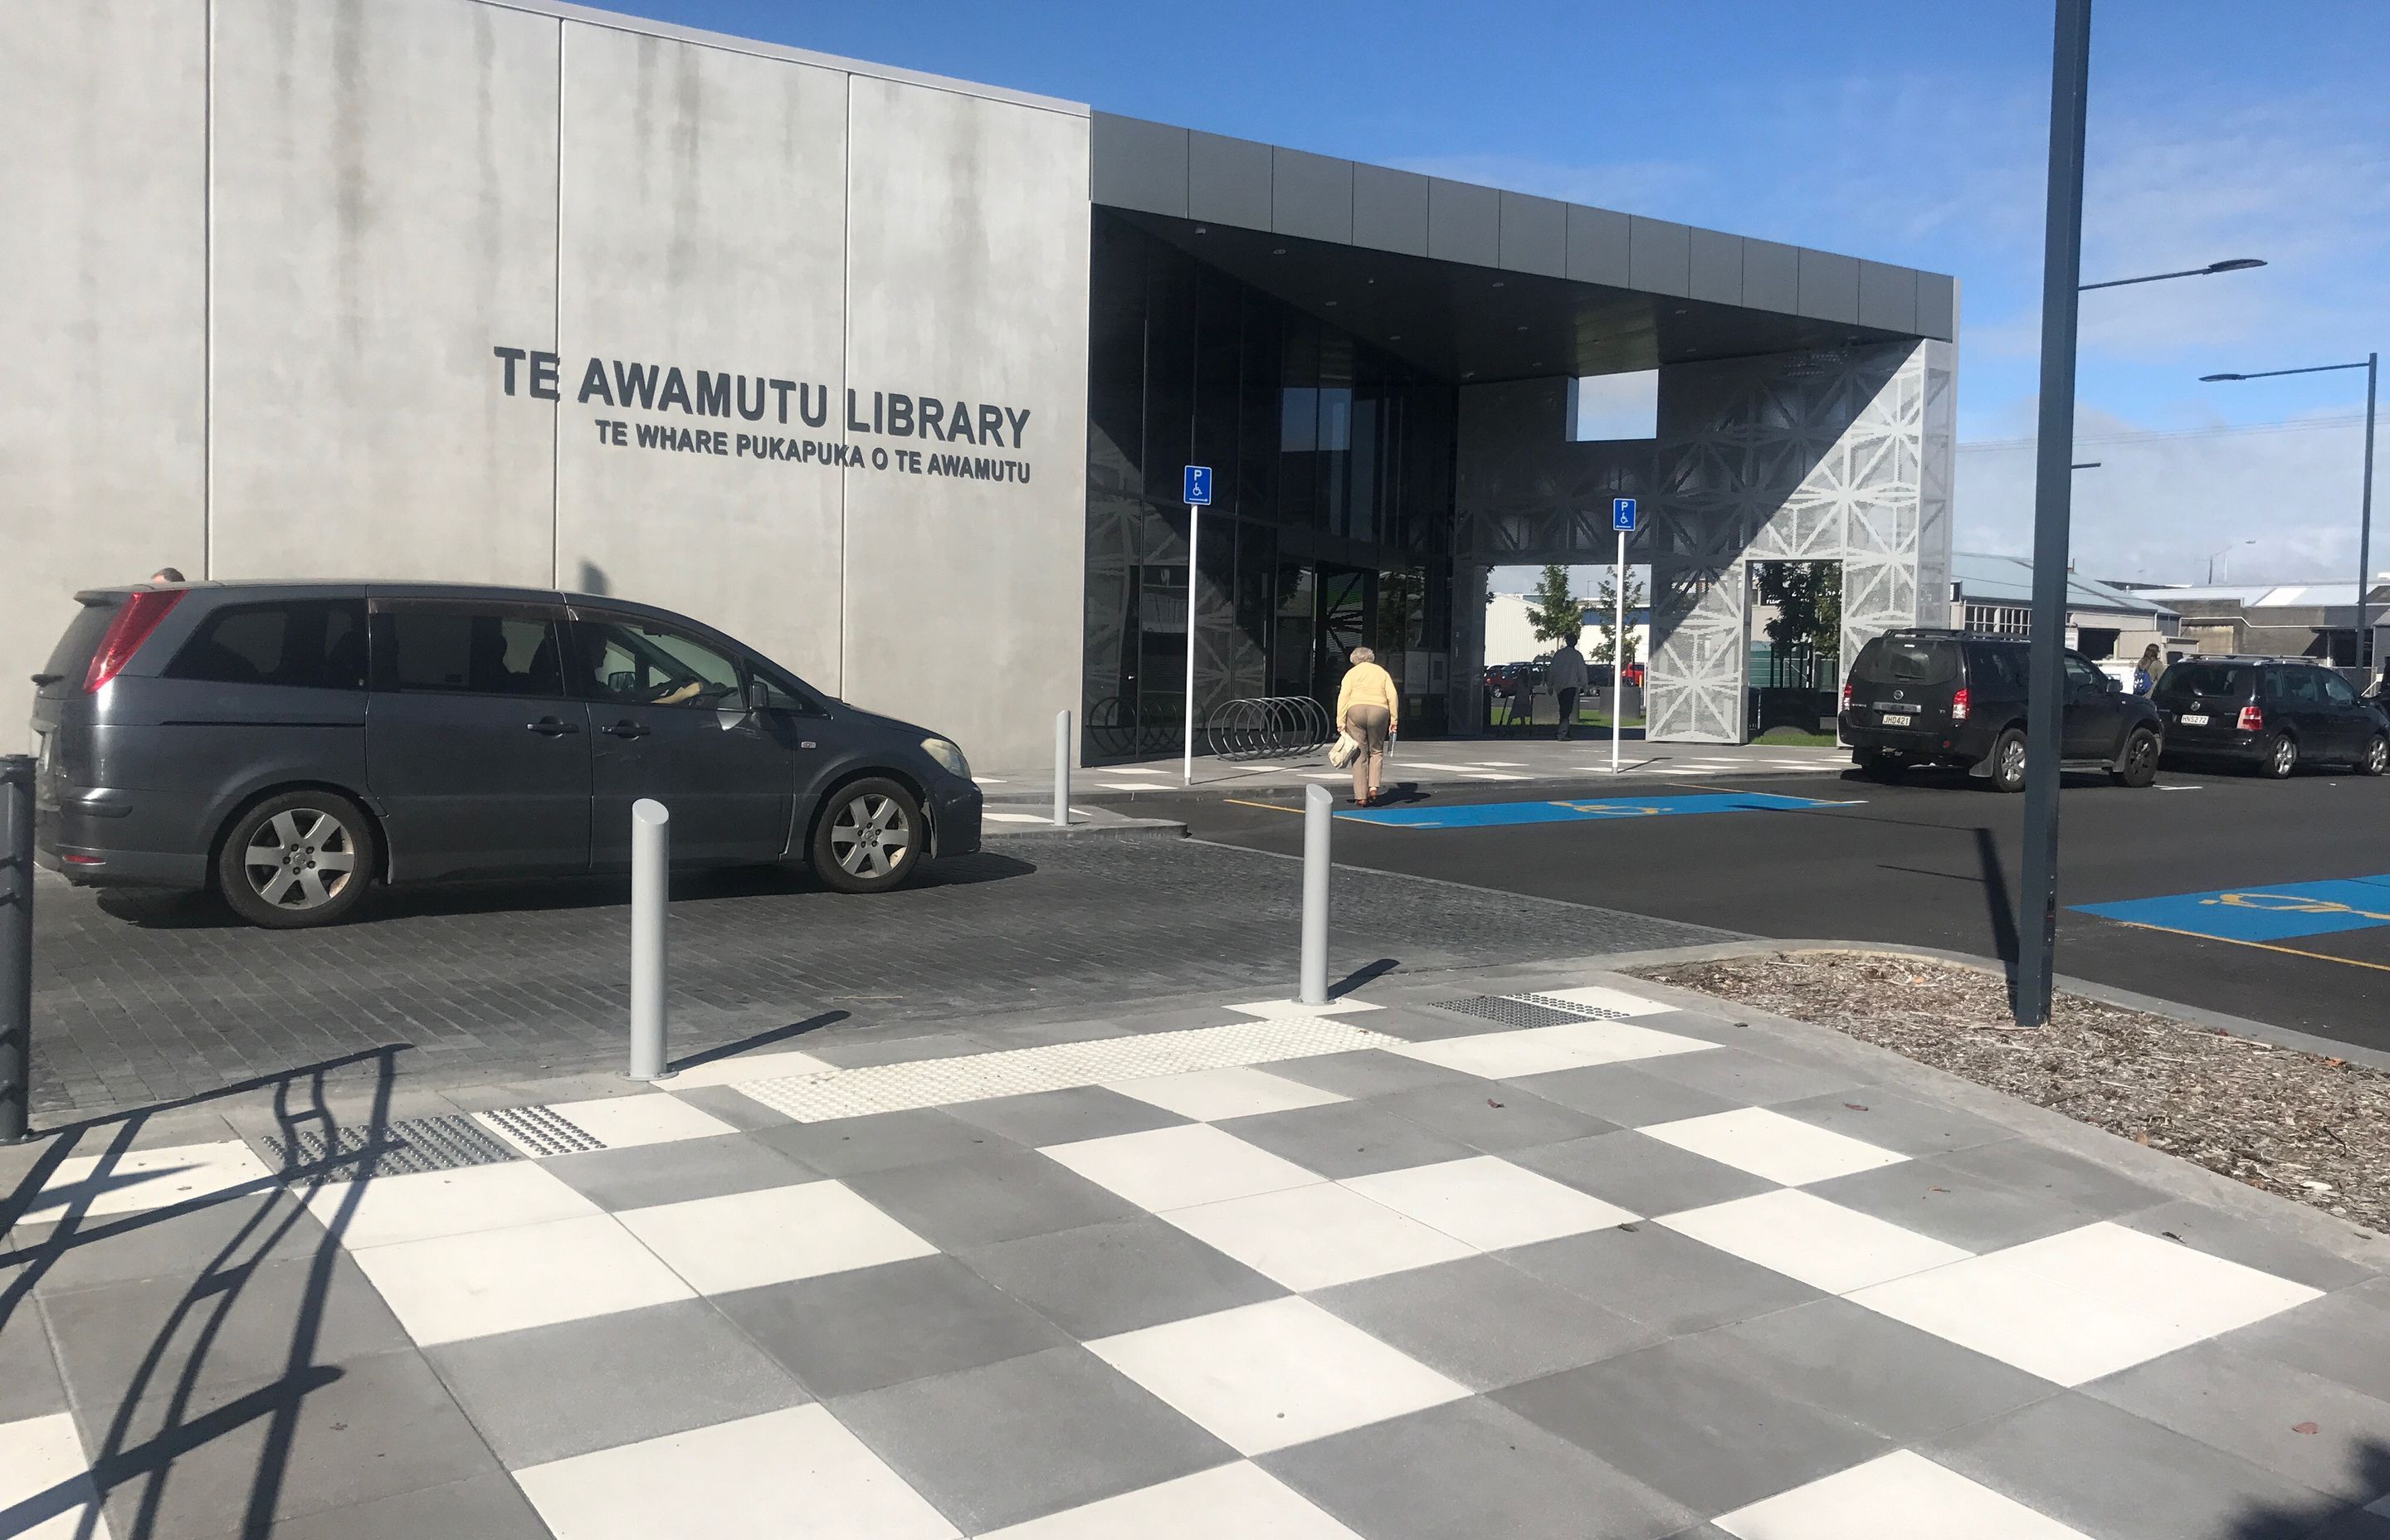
290 744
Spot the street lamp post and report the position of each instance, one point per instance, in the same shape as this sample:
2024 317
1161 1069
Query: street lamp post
2372 367
2063 287
2222 550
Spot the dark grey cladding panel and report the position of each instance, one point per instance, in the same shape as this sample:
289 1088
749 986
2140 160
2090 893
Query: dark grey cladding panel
1227 180
1464 222
1887 296
1535 234
1937 305
1717 267
1659 256
1771 276
1597 246
1138 165
1390 210
1311 196
1830 286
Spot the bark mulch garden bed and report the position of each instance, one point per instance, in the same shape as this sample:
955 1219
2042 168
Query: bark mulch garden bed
2311 1128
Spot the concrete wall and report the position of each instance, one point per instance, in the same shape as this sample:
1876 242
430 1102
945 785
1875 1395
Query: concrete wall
268 248
103 304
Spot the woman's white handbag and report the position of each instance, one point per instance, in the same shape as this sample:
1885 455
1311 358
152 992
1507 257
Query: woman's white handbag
1344 751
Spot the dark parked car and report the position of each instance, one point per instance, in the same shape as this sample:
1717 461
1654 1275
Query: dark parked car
291 744
1956 697
2270 715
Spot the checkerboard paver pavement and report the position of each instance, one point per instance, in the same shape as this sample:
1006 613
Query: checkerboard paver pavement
1405 1272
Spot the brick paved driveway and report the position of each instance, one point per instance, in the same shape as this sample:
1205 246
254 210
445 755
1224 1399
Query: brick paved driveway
143 1000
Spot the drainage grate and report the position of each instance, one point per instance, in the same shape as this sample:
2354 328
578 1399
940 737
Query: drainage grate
540 1131
1596 1013
1512 1012
399 1149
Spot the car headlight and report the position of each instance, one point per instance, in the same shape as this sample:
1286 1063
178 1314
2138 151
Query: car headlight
947 755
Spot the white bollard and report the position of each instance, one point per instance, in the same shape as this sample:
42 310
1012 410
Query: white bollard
1315 803
1062 769
650 889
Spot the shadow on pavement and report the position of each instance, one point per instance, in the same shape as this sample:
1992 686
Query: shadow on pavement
154 1425
760 1040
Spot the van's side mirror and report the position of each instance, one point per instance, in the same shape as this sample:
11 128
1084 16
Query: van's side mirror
759 695
2115 685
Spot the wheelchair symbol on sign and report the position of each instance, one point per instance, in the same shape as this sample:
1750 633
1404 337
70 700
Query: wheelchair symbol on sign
1610 810
2291 904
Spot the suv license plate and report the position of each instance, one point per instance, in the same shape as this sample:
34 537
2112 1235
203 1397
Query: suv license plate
2189 721
1901 721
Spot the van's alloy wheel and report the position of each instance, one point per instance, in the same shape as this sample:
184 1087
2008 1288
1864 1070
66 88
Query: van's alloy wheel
296 859
2140 766
2377 756
871 837
2281 756
2008 762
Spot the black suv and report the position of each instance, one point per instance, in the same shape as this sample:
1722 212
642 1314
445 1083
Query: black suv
1958 698
2269 713
290 744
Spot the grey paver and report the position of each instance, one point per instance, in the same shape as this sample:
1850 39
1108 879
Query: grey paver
1899 1381
1681 1420
2036 1169
1962 1208
1066 1116
1472 1467
2344 1336
1490 1116
1107 1278
1029 1436
2264 1247
488 1507
1659 1277
1893 1119
874 1327
553 1392
244 1323
1368 1073
29 1375
2255 1408
1483 1322
845 1146
645 1176
1347 1138
1750 1079
1640 1173
172 1243
1626 1096
2119 1477
996 1195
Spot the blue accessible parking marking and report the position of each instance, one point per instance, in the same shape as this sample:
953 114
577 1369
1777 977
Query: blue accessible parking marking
1582 809
2261 914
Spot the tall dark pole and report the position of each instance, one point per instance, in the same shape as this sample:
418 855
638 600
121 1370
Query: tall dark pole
2365 512
2062 272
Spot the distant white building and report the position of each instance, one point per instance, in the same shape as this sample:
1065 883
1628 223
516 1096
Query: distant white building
1510 633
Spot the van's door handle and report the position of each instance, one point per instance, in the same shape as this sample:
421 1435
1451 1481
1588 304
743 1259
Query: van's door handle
548 726
626 729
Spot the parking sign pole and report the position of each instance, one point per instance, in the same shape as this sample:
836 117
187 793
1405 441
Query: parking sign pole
1195 487
1618 656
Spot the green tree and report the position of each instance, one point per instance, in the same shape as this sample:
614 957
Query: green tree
1606 618
1555 612
1808 600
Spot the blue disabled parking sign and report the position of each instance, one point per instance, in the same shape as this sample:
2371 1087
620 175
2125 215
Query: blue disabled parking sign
1622 514
1199 486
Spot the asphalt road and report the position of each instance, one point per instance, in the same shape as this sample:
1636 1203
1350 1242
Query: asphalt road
1934 863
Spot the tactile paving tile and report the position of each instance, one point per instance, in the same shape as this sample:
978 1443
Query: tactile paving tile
540 1131
1019 1072
397 1149
1515 1012
1590 1012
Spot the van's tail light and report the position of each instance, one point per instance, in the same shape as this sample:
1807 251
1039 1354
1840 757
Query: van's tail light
1846 694
135 619
1958 706
2252 720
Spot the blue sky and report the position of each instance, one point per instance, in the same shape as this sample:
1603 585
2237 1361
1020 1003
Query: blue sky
1913 132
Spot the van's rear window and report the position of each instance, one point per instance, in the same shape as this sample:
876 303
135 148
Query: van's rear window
2233 681
1898 660
71 660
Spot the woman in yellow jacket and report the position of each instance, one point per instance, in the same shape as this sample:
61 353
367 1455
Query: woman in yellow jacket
1369 708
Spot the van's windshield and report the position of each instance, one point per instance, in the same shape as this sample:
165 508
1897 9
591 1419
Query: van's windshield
2232 681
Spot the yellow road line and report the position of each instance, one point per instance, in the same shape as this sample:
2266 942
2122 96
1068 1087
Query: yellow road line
2260 945
1274 807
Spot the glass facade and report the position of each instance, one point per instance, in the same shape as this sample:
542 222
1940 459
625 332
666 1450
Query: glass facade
1331 522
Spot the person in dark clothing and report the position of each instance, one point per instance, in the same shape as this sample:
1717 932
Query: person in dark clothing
1568 675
